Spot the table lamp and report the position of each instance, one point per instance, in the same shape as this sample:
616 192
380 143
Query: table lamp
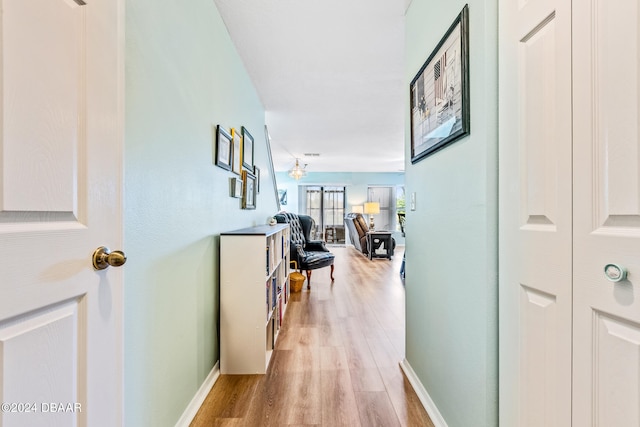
371 209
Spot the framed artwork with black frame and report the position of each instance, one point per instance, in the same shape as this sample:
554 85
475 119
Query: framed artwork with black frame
256 172
247 149
236 152
223 149
439 93
248 190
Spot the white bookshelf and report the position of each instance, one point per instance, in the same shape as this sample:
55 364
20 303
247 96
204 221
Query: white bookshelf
254 292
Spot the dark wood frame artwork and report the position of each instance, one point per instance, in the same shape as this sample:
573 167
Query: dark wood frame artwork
247 149
248 189
223 141
439 93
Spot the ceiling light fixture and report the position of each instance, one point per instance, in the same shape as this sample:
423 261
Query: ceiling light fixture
298 171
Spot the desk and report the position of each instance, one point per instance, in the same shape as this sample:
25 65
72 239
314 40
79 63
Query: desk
377 238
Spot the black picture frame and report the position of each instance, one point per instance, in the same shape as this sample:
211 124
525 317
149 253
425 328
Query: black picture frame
256 172
224 154
236 152
439 93
248 190
247 149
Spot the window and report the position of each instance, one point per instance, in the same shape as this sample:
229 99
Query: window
386 197
326 206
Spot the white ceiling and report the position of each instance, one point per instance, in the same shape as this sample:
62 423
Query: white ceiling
330 74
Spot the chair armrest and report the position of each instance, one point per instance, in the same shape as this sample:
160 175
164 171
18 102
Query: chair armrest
316 246
296 253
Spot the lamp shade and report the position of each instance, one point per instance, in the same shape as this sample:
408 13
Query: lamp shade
372 208
357 209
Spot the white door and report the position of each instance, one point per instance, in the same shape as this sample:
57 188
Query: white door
606 51
535 213
60 198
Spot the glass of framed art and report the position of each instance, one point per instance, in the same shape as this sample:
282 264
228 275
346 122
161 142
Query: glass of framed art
248 190
223 148
439 93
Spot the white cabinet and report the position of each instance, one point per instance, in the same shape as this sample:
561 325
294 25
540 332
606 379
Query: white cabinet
254 291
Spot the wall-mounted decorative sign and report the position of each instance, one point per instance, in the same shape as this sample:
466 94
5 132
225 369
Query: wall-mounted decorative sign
247 149
223 148
249 190
236 163
440 93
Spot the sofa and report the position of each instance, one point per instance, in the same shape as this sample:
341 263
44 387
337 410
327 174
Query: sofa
358 229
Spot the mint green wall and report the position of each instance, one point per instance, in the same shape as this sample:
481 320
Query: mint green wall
183 77
451 273
355 182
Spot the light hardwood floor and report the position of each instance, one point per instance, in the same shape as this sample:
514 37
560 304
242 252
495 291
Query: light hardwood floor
336 359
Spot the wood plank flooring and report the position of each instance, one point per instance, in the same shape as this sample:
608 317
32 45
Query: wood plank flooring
336 358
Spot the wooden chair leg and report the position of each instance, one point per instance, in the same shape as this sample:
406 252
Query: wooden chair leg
308 279
332 279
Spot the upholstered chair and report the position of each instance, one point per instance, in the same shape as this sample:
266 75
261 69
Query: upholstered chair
310 254
358 229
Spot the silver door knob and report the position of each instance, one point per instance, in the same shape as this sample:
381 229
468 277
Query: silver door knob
615 273
103 258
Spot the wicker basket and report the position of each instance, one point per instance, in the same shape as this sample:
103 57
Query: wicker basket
296 279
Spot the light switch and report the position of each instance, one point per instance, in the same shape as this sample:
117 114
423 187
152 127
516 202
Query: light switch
413 201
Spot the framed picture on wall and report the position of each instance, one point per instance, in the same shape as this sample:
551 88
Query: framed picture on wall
439 93
247 149
256 172
236 188
223 148
236 152
249 190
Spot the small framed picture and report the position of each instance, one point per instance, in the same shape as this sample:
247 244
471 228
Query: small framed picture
247 149
249 190
256 172
223 149
236 152
236 188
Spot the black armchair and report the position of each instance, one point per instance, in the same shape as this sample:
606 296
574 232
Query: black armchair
310 254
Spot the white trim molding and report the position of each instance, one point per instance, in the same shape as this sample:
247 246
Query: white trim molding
425 399
192 409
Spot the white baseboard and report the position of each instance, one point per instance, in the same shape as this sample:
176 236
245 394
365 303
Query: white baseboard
424 397
192 409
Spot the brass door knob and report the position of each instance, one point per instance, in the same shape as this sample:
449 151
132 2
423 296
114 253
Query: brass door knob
103 258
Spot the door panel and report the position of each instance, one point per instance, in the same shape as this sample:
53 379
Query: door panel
539 316
535 213
51 333
43 108
60 198
616 363
607 213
